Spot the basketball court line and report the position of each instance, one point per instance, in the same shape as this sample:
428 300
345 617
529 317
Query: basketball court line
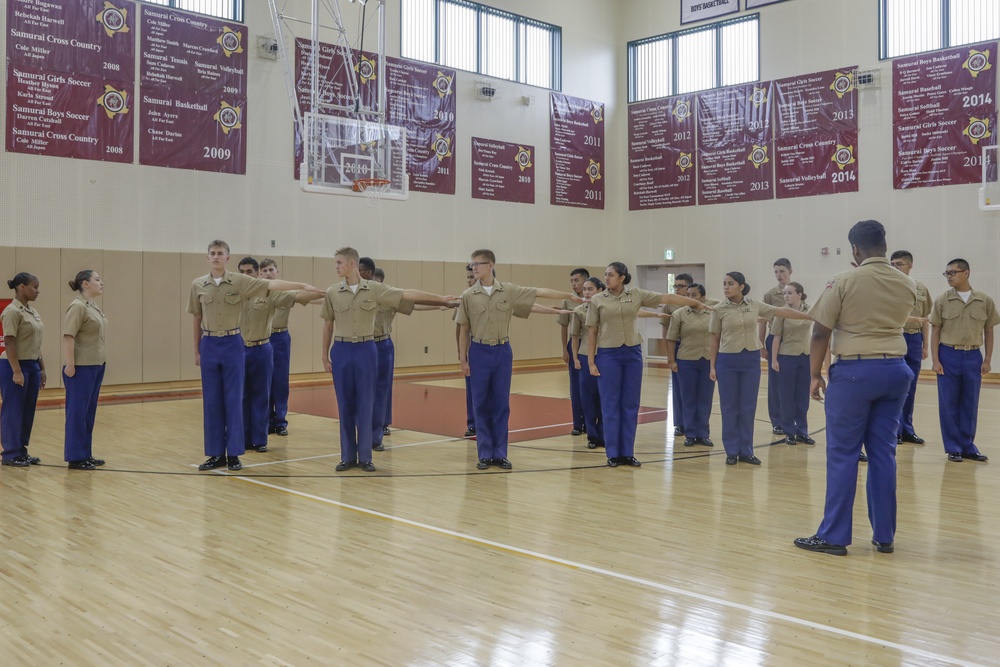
646 583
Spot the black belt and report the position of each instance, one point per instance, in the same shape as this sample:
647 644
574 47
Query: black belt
867 357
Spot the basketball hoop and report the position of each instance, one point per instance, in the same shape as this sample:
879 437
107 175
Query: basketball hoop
373 189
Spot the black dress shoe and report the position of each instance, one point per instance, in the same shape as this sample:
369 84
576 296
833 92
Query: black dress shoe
752 460
96 462
378 447
577 431
678 430
912 437
17 462
955 457
213 462
690 442
271 429
234 463
790 440
502 463
613 463
975 456
367 466
732 460
257 448
345 465
386 431
819 545
707 442
883 547
484 464
777 430
81 465
899 439
281 430
591 444
863 457
32 460
470 432
805 440
631 461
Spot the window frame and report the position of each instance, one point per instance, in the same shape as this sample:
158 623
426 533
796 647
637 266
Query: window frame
945 9
675 67
239 9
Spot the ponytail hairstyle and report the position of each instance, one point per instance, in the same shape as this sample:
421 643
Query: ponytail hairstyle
740 280
77 284
798 290
22 278
621 270
699 287
596 282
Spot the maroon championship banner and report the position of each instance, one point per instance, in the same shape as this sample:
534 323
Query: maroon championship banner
71 78
661 148
193 73
734 144
816 134
576 145
944 111
503 171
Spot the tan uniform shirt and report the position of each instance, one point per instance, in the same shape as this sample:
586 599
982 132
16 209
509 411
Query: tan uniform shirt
258 313
617 317
866 308
281 311
578 325
385 316
565 319
25 324
221 306
922 307
796 335
737 324
488 315
690 327
353 314
961 323
85 322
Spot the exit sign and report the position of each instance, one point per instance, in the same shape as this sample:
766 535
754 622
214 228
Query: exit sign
668 255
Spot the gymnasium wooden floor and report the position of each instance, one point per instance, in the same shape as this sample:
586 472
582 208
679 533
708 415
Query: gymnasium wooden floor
561 561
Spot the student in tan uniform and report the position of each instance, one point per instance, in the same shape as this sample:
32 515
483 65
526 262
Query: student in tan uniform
22 371
774 297
735 363
84 327
790 361
864 310
918 340
485 353
470 414
689 348
577 277
614 351
962 322
350 356
382 412
217 301
682 283
281 346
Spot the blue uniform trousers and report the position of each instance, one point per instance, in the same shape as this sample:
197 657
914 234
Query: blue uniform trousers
590 395
914 354
958 398
620 383
575 394
381 411
82 392
491 367
223 369
738 374
697 391
257 377
773 393
676 393
470 412
354 369
863 402
17 413
281 347
793 388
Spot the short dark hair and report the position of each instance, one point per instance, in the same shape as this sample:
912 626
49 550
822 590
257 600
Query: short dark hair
699 287
740 280
902 254
488 254
251 261
596 282
580 272
868 235
783 261
266 262
378 273
686 277
960 263
366 263
23 278
468 267
621 270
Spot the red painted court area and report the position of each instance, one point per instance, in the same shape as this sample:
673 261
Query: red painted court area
441 411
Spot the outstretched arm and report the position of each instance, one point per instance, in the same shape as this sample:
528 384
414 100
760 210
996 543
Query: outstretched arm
546 293
426 298
792 314
278 285
302 297
678 300
537 308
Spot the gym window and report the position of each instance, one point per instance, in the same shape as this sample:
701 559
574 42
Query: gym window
710 56
231 10
477 38
915 26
